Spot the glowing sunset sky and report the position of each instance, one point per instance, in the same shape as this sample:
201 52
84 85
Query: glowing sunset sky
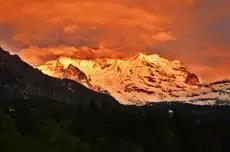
196 32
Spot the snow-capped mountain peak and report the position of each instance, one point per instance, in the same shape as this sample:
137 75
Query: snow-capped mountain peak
136 80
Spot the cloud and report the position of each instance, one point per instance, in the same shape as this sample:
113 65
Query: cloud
164 36
70 29
46 22
36 56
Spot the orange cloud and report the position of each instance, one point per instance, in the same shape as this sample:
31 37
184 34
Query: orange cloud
40 21
211 74
36 56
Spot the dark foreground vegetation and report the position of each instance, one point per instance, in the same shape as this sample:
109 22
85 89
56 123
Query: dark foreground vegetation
41 125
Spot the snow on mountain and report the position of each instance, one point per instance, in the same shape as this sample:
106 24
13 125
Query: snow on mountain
137 80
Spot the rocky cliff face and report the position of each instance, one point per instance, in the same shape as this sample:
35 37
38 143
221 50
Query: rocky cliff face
192 79
137 80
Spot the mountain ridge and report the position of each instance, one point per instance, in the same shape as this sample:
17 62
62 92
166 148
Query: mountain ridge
141 79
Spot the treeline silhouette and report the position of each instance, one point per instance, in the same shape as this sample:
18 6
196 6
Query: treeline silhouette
42 125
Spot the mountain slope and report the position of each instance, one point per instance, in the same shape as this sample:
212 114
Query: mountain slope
20 80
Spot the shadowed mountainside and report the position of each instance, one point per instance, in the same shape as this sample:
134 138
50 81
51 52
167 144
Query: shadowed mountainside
20 80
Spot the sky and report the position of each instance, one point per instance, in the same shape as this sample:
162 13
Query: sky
193 31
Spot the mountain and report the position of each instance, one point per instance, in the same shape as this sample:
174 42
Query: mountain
137 80
20 80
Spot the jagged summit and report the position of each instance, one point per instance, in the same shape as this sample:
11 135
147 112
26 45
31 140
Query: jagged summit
140 56
143 57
